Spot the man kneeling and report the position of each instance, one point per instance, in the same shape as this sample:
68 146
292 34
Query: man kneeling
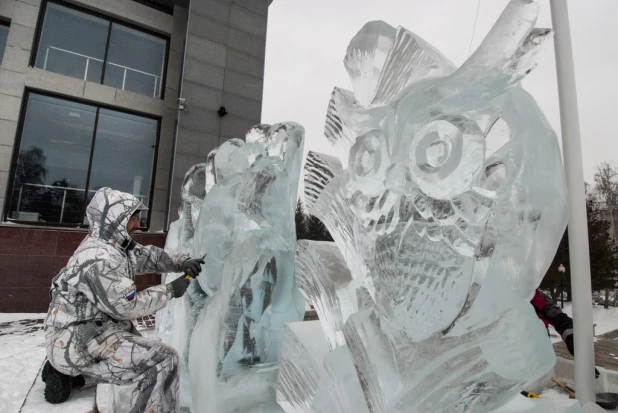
88 330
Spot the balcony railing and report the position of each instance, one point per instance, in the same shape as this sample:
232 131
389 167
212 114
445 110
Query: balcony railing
64 196
126 69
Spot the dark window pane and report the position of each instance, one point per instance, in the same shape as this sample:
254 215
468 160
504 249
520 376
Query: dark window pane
52 165
114 76
165 7
135 61
72 43
124 154
4 32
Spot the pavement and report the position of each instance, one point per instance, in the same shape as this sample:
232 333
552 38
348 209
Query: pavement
605 350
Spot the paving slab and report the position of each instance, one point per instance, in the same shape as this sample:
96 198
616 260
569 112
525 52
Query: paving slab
605 350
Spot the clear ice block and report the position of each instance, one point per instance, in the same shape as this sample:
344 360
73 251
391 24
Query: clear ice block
237 210
246 228
176 321
446 200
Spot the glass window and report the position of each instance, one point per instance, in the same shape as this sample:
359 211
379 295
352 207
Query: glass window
52 163
53 169
123 154
78 44
72 43
4 33
135 61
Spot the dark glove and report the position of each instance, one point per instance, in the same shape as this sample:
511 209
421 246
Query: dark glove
179 286
192 267
571 347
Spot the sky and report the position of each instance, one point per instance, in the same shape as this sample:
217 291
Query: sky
307 41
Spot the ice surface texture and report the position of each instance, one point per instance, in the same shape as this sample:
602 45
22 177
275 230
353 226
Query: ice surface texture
176 321
238 208
446 202
246 226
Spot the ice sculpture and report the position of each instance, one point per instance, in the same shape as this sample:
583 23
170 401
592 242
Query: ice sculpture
176 321
246 228
446 202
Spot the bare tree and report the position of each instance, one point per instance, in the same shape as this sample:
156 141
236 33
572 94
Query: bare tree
606 191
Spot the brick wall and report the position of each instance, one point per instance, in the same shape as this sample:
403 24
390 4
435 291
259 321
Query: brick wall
30 258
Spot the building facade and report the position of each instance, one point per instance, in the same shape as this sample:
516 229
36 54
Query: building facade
120 93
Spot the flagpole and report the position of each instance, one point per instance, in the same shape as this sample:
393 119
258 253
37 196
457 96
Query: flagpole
578 226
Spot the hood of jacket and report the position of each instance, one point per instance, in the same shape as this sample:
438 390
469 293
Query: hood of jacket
109 212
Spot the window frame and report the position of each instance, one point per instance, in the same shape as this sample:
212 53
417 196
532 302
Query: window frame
98 106
6 23
112 20
154 5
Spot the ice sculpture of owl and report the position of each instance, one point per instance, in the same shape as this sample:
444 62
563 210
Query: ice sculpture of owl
446 202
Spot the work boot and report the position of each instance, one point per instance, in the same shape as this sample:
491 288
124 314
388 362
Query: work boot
57 385
45 370
79 382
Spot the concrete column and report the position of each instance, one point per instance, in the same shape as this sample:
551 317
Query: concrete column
224 66
23 15
159 211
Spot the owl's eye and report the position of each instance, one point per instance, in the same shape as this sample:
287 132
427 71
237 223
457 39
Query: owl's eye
366 154
438 152
369 160
445 154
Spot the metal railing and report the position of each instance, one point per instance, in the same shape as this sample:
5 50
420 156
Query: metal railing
89 58
64 195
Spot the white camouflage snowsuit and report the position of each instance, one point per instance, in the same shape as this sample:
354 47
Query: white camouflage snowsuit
93 300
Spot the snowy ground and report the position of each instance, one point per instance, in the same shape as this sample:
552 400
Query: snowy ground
22 351
605 320
8 317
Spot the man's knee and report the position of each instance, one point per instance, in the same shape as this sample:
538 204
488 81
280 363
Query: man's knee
63 359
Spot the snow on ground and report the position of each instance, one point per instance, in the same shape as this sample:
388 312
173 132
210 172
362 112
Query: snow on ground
9 317
81 401
21 356
605 319
22 353
520 404
555 393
